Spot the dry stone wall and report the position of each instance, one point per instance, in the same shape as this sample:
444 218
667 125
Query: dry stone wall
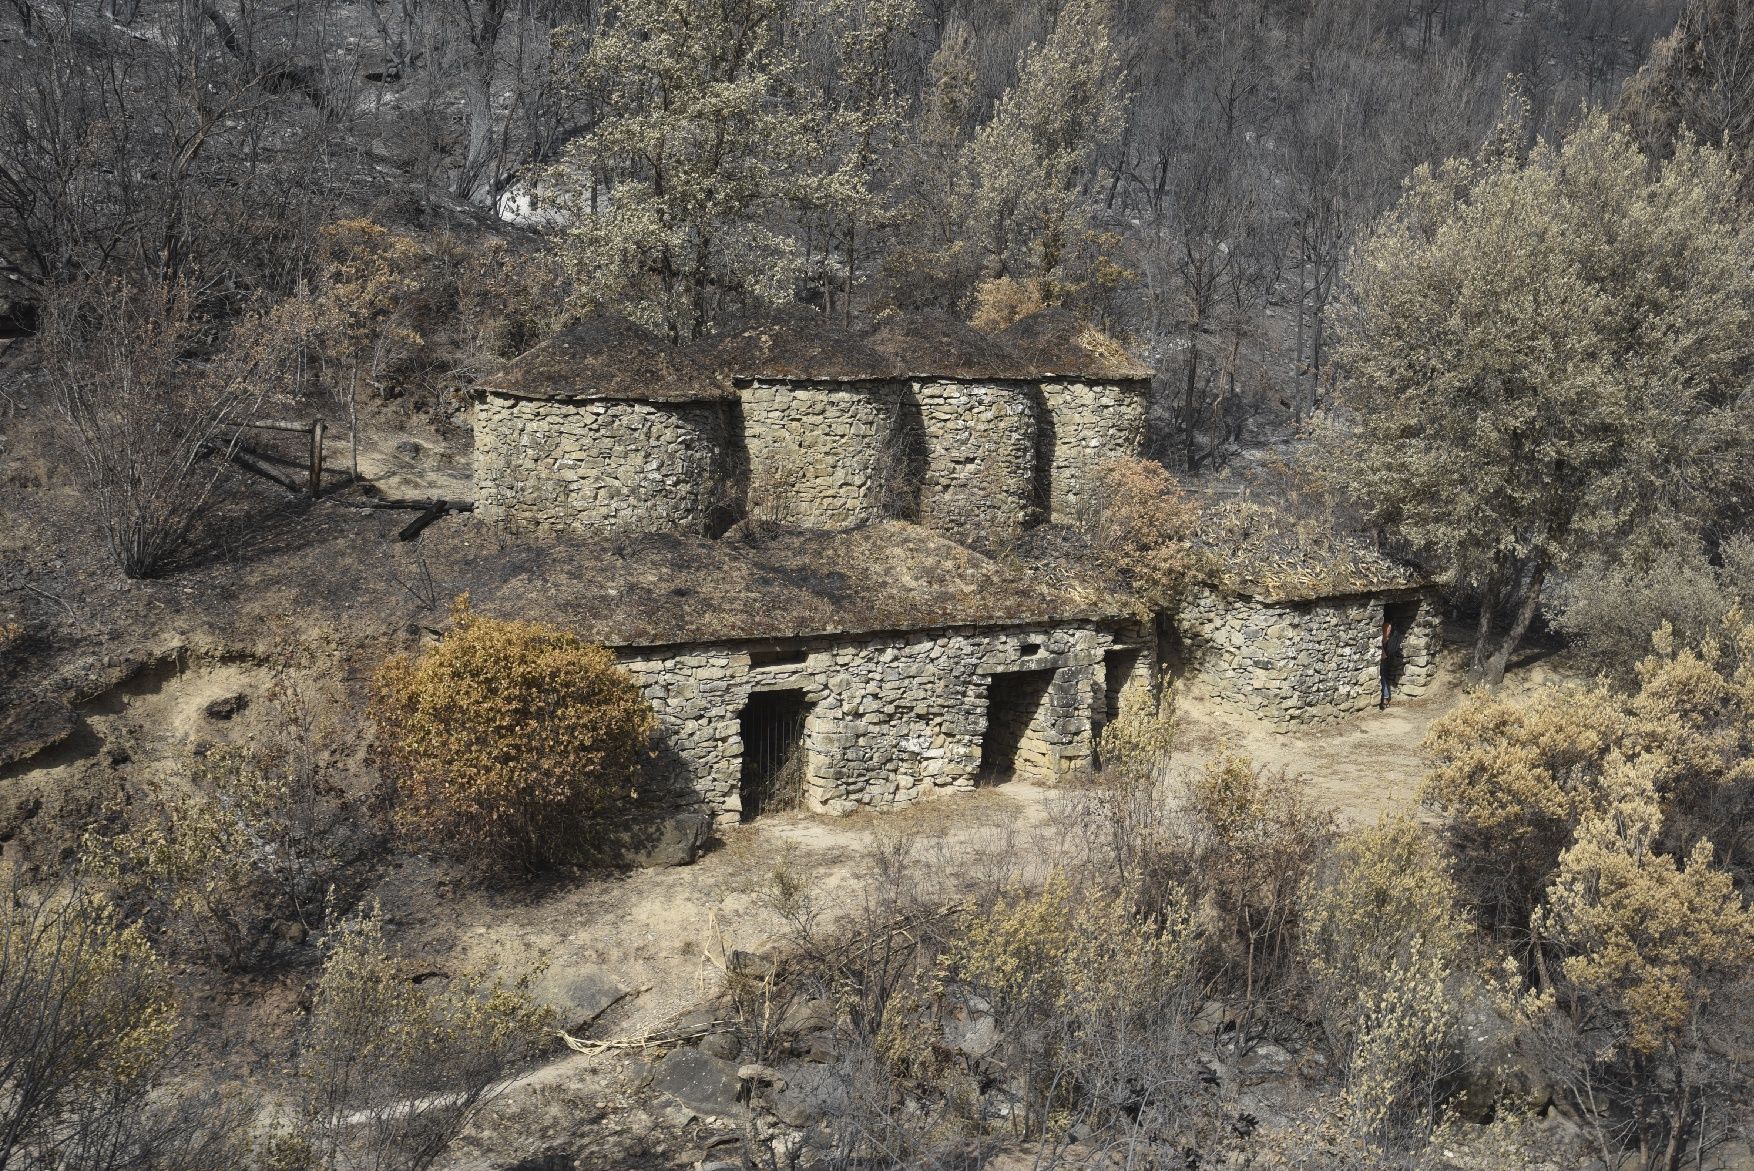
893 717
598 464
822 455
1084 425
978 477
1296 662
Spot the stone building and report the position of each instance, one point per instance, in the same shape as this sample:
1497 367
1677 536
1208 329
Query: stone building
823 416
830 671
1291 625
602 427
836 566
977 412
1093 399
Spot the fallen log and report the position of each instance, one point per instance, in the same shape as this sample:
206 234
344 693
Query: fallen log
412 529
251 463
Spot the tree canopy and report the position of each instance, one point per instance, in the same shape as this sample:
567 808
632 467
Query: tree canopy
1546 355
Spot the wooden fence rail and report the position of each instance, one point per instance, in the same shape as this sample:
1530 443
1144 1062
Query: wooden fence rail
315 427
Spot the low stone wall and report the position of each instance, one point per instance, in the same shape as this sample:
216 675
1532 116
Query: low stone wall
894 717
822 455
1085 424
598 464
1304 661
978 477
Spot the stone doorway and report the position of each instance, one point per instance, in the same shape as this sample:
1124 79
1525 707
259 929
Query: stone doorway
775 761
1399 616
1118 669
1013 745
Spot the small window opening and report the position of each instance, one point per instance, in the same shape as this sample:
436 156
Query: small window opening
1029 648
1013 745
774 758
777 656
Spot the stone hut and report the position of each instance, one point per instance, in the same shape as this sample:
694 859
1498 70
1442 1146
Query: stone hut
821 416
1094 396
602 427
1290 624
976 437
831 671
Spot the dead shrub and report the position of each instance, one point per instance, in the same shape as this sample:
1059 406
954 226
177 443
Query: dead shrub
1382 940
1610 613
89 1038
142 406
1250 840
508 740
249 851
390 1071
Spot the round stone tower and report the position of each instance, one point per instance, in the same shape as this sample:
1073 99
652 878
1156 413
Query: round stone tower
1094 397
974 430
822 415
602 427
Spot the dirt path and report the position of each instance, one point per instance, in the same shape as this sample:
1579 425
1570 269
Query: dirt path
1362 767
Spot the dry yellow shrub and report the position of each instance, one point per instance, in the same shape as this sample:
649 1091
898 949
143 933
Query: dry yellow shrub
1001 301
509 739
1140 526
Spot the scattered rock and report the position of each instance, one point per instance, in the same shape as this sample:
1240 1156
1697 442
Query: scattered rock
227 706
119 757
725 1046
1214 1020
290 930
969 1028
761 1075
809 1094
754 964
408 449
703 1083
579 995
656 843
1267 1058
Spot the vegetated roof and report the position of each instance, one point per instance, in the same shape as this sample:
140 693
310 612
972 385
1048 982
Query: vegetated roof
1261 552
802 349
763 582
928 345
606 356
1057 342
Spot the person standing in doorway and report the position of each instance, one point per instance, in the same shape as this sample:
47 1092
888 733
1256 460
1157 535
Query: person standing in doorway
1382 662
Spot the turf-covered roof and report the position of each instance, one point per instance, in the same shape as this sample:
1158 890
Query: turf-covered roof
1260 552
766 582
606 356
1056 342
802 349
937 345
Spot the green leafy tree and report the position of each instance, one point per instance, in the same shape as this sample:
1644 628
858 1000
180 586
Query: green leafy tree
509 739
1547 356
1032 165
675 200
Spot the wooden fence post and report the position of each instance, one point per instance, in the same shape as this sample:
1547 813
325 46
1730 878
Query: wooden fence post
316 458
